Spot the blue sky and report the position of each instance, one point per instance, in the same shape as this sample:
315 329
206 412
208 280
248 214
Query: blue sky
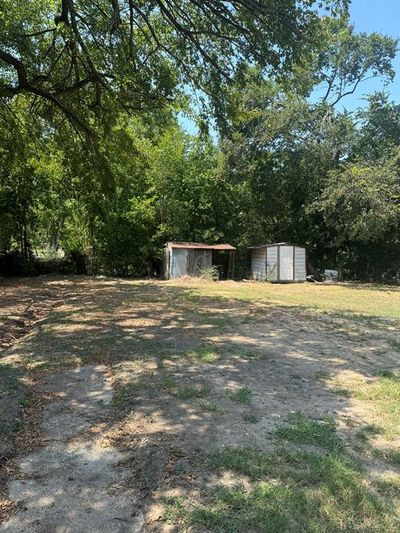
382 16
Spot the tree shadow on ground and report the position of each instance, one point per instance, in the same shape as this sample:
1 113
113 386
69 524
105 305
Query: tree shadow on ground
180 363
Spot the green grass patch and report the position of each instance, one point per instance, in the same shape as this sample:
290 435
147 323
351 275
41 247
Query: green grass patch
285 492
386 387
204 354
383 393
170 384
242 395
188 392
174 511
126 393
303 430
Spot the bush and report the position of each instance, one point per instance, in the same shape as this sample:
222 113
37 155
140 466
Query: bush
15 264
209 273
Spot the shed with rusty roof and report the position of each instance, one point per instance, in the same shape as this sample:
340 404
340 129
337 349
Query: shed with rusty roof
192 258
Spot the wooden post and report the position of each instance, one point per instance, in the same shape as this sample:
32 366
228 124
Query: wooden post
231 269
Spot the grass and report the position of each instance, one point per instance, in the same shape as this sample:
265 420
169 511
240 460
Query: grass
292 490
186 392
242 395
12 398
288 491
203 354
212 407
390 455
346 299
322 375
383 396
303 430
290 487
125 393
251 354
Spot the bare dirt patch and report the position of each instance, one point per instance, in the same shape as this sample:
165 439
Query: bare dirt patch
74 483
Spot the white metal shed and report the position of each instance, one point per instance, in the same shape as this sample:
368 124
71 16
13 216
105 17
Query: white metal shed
279 262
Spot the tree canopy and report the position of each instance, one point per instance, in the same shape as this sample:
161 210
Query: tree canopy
96 165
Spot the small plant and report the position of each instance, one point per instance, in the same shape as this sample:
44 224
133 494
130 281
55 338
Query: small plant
251 418
204 354
242 395
170 384
192 391
251 354
322 375
209 273
210 406
343 392
174 510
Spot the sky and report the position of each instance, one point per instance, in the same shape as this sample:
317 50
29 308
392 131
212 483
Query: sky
382 16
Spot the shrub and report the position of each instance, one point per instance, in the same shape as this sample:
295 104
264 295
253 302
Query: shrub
209 273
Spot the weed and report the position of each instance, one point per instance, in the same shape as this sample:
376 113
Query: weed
127 392
342 391
170 384
251 418
173 510
242 395
209 273
192 391
204 354
322 375
251 354
211 406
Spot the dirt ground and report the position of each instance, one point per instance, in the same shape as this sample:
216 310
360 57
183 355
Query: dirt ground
148 379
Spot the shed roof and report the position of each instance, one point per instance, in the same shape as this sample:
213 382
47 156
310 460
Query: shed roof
275 244
200 246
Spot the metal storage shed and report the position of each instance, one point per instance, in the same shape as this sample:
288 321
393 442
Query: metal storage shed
189 258
279 262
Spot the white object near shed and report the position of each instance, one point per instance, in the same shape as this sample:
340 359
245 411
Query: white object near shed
279 262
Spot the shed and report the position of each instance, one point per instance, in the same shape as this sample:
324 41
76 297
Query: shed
189 258
279 262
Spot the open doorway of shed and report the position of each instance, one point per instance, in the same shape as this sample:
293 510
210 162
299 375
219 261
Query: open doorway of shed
224 261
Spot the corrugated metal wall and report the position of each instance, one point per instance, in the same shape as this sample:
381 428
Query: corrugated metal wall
299 264
272 263
292 263
258 264
286 256
179 259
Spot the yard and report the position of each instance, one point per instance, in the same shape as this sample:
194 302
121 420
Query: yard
174 406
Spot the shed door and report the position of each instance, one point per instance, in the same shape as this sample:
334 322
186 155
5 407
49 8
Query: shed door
286 263
179 262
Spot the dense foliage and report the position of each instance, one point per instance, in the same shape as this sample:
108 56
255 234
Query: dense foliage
96 166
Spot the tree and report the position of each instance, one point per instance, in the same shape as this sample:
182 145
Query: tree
379 128
80 57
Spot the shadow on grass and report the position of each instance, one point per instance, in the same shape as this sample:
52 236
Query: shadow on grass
174 353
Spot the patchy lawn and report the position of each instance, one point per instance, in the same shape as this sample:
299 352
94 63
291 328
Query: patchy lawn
235 406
